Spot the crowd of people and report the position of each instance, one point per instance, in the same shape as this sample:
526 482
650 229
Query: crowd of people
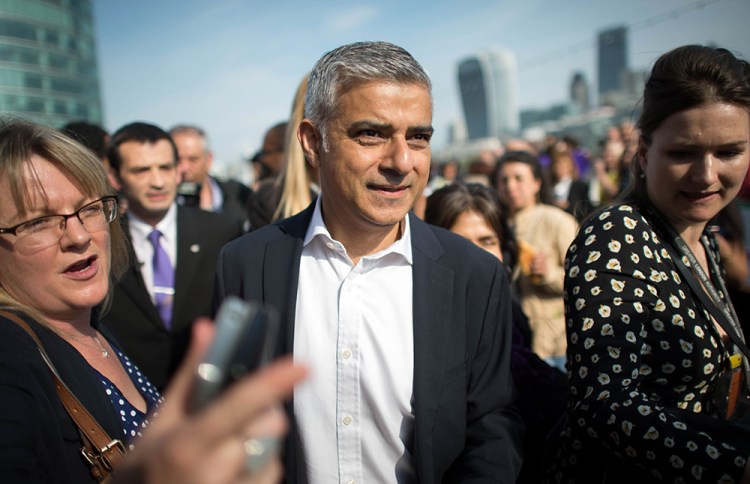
545 313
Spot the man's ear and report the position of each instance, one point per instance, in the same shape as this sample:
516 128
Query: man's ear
311 141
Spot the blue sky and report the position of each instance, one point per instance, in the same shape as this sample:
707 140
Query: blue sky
232 66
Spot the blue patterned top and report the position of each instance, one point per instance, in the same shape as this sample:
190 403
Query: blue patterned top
133 420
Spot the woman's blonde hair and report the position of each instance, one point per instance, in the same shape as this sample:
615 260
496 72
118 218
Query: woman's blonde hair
296 176
19 141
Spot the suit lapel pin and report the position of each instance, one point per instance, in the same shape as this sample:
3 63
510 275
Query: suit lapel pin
195 248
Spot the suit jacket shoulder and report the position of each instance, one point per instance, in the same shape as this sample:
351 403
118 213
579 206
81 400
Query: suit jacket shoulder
236 197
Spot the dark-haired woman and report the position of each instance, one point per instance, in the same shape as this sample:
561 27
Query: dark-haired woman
474 211
651 330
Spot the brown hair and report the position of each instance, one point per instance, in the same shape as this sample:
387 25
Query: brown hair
684 78
445 205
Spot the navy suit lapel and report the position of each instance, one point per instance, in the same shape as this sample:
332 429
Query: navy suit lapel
132 285
281 274
280 280
188 251
432 303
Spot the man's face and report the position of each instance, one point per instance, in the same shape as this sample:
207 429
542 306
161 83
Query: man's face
273 151
148 178
195 161
376 159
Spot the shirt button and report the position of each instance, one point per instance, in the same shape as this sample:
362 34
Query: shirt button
351 481
330 245
347 420
346 354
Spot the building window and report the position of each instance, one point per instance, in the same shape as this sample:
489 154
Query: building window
18 30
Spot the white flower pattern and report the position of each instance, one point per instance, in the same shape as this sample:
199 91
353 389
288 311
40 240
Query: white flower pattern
647 342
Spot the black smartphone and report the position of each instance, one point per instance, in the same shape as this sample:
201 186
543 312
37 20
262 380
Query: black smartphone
245 340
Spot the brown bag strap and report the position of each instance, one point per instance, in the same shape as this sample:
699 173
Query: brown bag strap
101 451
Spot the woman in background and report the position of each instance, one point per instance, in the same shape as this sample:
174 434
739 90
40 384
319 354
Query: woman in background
474 212
569 191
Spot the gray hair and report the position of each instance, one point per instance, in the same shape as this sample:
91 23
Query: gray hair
350 65
190 129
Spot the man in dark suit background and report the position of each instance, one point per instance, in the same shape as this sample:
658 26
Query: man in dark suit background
206 192
406 327
144 159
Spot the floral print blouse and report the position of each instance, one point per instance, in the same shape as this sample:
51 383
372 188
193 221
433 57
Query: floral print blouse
644 358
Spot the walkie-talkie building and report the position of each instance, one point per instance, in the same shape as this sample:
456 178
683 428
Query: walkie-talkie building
48 67
489 92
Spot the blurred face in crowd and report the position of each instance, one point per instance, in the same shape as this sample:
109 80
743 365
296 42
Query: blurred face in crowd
517 186
272 155
696 162
194 159
562 167
376 158
472 226
148 178
67 278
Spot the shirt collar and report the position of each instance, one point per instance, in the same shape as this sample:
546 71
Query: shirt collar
167 226
318 229
217 198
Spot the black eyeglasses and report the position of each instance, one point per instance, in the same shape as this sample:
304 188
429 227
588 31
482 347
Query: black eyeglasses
40 233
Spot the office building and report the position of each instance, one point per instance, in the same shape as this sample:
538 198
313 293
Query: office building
579 92
613 62
488 82
48 67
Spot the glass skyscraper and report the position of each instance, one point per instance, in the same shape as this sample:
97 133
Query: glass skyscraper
489 92
48 67
613 60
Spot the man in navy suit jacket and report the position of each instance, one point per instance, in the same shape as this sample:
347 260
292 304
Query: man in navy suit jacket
406 327
144 163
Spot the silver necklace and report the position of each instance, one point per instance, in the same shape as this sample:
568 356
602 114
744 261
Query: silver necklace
105 353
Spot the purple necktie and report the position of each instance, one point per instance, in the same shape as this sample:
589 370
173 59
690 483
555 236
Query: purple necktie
163 279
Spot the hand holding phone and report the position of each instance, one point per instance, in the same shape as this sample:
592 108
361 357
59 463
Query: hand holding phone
245 339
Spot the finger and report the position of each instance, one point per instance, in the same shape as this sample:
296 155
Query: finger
271 473
271 422
223 462
247 399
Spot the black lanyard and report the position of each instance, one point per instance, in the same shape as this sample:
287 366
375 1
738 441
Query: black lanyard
721 309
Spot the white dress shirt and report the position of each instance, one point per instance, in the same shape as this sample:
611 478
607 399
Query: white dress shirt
353 329
143 248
